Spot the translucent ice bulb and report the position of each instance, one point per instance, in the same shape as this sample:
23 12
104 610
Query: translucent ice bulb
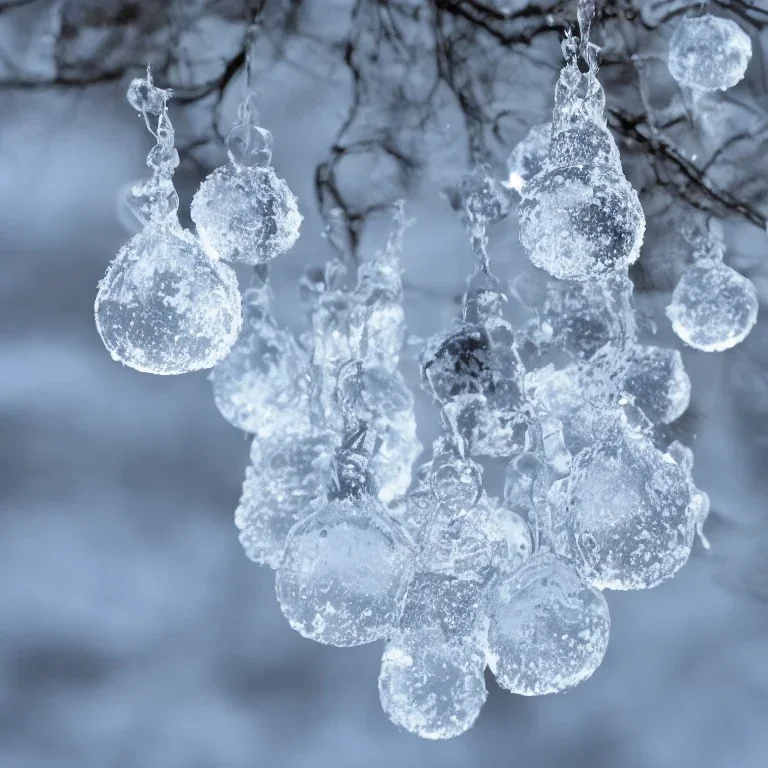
707 53
549 630
528 157
624 515
432 689
345 569
263 385
713 307
286 474
164 307
246 214
657 380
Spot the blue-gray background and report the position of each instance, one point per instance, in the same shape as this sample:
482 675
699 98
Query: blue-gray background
133 630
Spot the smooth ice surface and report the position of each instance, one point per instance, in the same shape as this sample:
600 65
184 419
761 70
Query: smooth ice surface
623 513
246 214
658 382
713 307
708 53
345 569
287 472
165 307
263 385
432 689
549 630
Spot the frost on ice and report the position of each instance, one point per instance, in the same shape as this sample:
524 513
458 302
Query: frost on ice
708 53
164 306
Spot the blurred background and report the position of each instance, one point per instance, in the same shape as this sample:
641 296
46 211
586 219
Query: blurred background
133 630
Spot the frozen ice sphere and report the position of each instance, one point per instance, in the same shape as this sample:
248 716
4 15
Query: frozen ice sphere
708 53
713 307
549 630
345 569
657 380
246 214
286 474
263 385
432 689
510 535
581 222
585 144
165 307
624 513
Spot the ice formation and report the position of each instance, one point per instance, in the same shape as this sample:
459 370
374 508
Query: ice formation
708 53
164 306
575 402
579 217
243 211
713 307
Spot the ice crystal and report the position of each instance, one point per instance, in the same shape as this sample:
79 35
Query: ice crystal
528 157
708 53
548 630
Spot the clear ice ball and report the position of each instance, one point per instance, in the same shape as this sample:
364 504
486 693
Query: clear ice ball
658 382
623 513
165 307
345 569
713 307
581 222
431 689
549 630
708 53
246 214
263 385
286 474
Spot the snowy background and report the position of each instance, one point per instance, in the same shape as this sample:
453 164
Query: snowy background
133 630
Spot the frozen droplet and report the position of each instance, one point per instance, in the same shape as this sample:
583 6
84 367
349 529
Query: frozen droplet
249 145
624 515
510 534
455 482
144 96
713 307
263 385
548 631
700 505
708 53
431 689
345 569
581 222
286 474
246 214
658 382
165 307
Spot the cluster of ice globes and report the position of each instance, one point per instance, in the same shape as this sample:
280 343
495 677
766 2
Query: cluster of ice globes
453 580
168 303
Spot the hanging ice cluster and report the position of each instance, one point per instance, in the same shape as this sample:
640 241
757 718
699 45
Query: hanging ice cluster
574 402
708 53
165 306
